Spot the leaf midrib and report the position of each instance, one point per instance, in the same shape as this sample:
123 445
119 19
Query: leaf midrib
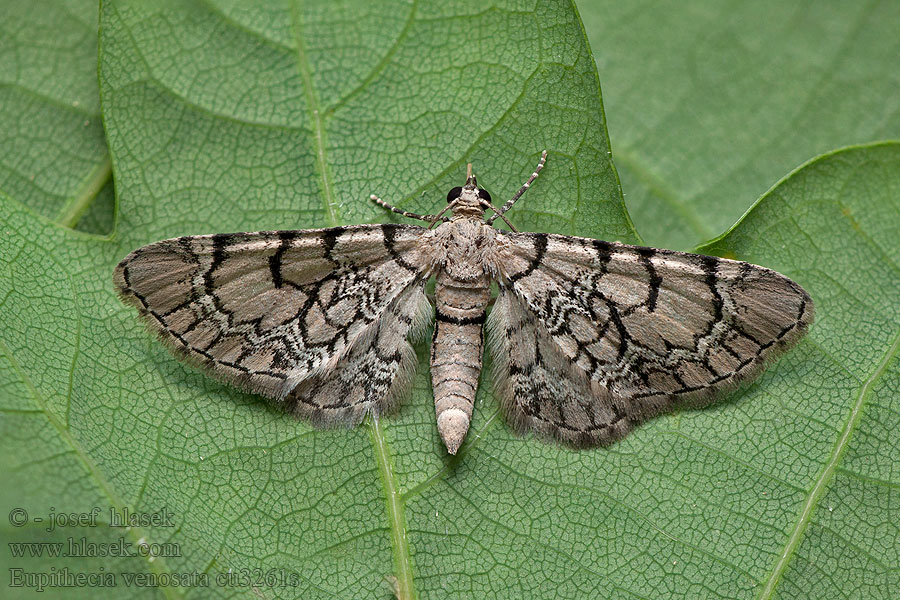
315 116
395 503
74 209
137 533
827 474
405 589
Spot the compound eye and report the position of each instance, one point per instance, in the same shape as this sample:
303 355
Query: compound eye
454 194
484 195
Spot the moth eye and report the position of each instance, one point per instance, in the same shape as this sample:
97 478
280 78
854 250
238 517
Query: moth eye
454 194
484 195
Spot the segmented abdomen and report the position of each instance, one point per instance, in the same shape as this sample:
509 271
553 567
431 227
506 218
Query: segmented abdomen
456 350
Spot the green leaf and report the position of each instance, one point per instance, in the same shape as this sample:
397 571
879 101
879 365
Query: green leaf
54 157
834 223
709 102
224 118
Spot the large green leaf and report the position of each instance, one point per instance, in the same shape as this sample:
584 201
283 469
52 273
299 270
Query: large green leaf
223 118
835 224
710 102
54 157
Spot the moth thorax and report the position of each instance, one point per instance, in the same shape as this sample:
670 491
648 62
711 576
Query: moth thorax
468 210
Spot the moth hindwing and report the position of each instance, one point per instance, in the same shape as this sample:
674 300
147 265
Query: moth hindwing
589 338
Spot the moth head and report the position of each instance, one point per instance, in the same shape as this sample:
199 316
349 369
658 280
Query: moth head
457 192
469 196
454 194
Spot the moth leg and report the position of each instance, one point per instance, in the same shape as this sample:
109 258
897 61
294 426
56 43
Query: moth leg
487 204
399 211
521 191
440 217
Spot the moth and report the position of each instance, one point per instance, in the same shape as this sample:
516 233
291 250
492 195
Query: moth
588 338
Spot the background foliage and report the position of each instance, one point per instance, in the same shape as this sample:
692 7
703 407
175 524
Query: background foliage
711 103
219 117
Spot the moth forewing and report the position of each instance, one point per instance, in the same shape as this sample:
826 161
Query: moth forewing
650 329
589 338
270 310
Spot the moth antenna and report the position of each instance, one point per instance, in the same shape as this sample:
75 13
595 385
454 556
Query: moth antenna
521 191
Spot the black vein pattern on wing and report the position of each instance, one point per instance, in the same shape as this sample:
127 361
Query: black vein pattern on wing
291 347
630 375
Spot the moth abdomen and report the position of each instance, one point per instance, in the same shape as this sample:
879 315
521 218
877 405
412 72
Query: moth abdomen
456 351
